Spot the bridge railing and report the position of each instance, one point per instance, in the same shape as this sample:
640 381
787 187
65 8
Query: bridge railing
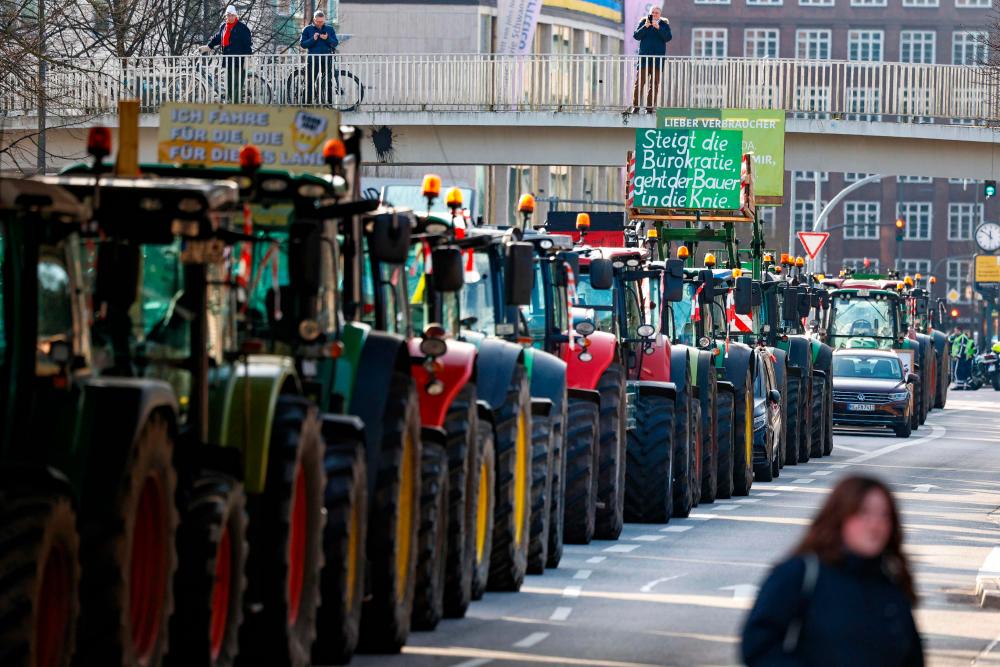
559 83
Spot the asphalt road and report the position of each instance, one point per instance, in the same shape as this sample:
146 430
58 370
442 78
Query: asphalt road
677 594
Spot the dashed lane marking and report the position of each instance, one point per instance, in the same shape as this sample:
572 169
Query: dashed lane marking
531 640
475 662
748 501
724 508
572 591
647 538
702 517
936 432
674 529
622 548
838 466
821 473
767 494
597 559
583 574
803 480
561 613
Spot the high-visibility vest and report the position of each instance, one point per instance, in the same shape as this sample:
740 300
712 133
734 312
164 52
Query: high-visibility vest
958 345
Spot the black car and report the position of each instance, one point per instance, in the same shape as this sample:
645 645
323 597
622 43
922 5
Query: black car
766 417
871 388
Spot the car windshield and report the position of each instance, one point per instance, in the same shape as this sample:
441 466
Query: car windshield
852 317
879 368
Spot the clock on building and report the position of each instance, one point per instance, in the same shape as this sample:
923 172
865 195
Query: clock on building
988 236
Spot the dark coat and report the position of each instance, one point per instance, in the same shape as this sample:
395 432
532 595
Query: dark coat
856 616
653 42
315 45
240 41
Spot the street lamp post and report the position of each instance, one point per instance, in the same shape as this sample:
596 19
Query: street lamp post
820 222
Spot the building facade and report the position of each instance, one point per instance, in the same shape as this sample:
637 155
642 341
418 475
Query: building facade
940 214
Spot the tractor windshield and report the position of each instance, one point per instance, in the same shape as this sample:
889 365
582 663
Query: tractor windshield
426 305
862 322
598 305
636 305
683 311
477 302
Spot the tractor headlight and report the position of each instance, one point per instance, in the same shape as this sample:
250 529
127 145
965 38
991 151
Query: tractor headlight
433 347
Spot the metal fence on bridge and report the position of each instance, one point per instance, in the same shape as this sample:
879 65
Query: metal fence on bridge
540 83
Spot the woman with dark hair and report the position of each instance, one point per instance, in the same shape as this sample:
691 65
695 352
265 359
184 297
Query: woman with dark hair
845 597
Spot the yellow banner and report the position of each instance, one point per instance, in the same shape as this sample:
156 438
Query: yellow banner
988 268
212 135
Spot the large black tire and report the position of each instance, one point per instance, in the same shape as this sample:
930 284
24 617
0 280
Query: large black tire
462 426
944 380
743 438
724 436
649 496
512 512
914 418
697 438
482 526
211 574
785 418
432 541
682 458
828 427
582 444
393 521
817 435
923 399
793 424
39 579
541 489
709 442
286 542
558 504
806 390
342 582
611 476
128 559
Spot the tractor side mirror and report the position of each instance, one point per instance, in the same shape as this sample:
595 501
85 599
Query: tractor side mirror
389 240
448 270
803 301
117 275
790 306
519 273
743 295
601 274
304 244
814 299
756 294
707 279
673 280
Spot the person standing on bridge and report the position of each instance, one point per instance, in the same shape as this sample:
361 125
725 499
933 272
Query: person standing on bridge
236 41
846 595
321 42
652 33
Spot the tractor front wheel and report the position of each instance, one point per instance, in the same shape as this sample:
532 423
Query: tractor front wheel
611 467
557 517
482 524
725 401
541 488
743 438
649 493
432 543
582 444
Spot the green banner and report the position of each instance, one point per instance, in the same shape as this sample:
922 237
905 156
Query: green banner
763 135
687 169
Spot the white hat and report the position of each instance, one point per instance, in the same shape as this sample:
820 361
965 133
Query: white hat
319 12
231 9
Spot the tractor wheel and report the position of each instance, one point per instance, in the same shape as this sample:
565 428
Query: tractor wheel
541 491
828 427
128 560
743 438
558 504
393 520
582 444
806 389
649 494
462 426
923 401
432 542
342 581
682 459
792 425
482 525
40 566
512 512
709 445
816 439
914 422
211 576
698 439
782 441
724 435
611 468
944 379
286 541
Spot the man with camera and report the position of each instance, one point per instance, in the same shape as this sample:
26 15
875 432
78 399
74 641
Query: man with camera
321 41
652 33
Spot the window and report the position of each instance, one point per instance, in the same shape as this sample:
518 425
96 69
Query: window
810 176
861 219
963 218
865 45
709 42
917 215
853 176
751 3
917 46
816 3
812 44
863 102
958 278
920 3
760 42
968 48
804 215
867 3
812 101
912 267
974 4
964 182
559 182
711 2
858 264
914 179
767 216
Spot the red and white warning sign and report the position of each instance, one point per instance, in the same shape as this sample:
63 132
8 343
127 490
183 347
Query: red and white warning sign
741 323
813 242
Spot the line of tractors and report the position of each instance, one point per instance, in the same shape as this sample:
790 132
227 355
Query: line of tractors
252 418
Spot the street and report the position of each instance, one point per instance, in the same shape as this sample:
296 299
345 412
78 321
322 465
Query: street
677 594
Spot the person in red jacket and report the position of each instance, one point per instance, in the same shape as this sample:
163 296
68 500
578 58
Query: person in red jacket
236 41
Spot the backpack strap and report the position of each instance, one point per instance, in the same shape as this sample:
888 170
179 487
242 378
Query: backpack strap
809 577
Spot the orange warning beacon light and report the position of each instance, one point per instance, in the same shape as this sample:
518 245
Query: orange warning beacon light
250 158
99 142
453 198
583 222
683 252
334 151
431 189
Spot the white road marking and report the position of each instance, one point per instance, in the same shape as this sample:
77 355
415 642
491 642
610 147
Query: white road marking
851 449
531 640
840 466
821 473
803 480
924 488
674 529
572 591
647 538
597 559
648 587
748 501
702 517
988 579
724 508
767 494
475 662
741 590
561 613
583 574
622 548
936 432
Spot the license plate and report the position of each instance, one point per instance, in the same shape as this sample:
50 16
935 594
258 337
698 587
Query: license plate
861 407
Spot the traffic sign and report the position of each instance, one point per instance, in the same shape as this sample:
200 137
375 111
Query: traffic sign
987 268
813 242
953 296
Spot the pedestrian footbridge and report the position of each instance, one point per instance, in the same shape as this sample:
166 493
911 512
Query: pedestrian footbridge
888 118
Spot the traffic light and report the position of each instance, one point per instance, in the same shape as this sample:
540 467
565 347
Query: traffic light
954 313
900 228
990 189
